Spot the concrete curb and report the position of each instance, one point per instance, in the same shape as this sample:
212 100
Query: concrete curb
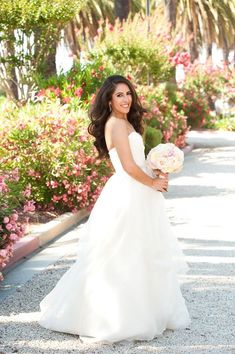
44 234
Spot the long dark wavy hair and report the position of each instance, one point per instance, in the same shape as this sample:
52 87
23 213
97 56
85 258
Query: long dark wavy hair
100 111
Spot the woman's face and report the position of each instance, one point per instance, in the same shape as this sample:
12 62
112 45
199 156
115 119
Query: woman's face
121 100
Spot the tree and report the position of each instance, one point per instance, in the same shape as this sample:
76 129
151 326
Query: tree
203 22
170 10
29 33
122 9
83 28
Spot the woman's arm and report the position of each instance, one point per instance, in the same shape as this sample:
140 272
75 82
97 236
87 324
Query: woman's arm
119 136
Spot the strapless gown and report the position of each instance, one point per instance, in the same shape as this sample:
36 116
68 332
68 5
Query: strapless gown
124 283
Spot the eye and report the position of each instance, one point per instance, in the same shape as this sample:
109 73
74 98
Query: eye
129 93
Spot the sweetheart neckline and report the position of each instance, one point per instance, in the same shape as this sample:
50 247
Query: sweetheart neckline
128 137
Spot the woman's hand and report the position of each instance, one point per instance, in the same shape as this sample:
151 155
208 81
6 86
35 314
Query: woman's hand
160 183
159 173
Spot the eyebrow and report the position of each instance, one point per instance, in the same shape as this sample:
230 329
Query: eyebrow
122 92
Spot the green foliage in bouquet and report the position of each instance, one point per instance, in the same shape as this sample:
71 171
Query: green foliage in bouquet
152 137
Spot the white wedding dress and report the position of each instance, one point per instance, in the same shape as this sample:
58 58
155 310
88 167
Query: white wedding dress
124 284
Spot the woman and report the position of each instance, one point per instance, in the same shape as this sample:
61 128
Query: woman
124 284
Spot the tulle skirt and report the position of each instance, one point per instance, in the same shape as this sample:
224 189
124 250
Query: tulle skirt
124 283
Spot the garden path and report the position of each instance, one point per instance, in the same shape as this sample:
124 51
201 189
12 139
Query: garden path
200 204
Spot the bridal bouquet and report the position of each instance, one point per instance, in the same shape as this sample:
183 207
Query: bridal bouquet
166 157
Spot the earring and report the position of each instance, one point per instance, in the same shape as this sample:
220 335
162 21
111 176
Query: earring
110 107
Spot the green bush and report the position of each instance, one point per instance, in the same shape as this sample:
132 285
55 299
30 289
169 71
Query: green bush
135 52
152 137
164 113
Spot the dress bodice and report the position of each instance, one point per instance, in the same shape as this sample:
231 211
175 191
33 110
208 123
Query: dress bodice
137 149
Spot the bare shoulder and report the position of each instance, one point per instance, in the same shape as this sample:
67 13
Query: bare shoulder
115 123
114 129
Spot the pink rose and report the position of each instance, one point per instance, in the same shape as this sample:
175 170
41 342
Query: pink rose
14 237
3 253
8 227
15 217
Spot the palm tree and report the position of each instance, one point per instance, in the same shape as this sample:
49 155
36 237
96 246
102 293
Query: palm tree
122 9
202 22
170 10
207 21
86 23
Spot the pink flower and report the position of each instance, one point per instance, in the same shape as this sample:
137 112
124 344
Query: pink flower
27 191
6 220
41 93
71 130
54 184
66 100
78 92
29 206
9 227
14 237
57 91
15 217
56 198
83 138
3 253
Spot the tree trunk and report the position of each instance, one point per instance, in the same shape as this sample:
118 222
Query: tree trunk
208 48
46 64
193 48
225 50
170 10
194 54
49 67
122 9
71 38
234 52
12 80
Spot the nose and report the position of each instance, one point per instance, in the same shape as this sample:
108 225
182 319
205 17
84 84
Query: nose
126 98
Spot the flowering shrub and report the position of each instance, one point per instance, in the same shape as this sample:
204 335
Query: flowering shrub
164 113
136 52
55 157
11 229
195 107
78 86
203 85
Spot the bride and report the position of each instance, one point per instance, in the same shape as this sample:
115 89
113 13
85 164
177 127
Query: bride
124 283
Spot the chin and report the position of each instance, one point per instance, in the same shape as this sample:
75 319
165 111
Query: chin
127 110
